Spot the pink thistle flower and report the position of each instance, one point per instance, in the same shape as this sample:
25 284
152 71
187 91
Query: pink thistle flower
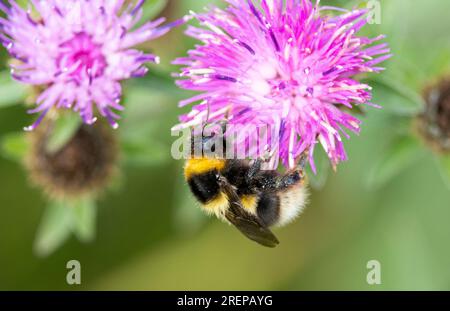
80 50
283 64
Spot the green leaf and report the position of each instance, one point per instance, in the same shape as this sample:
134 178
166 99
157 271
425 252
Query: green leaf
55 228
85 216
188 216
444 167
63 131
400 154
14 146
152 8
145 153
441 62
11 91
396 97
144 100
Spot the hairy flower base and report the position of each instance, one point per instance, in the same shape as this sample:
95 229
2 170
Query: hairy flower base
434 123
83 167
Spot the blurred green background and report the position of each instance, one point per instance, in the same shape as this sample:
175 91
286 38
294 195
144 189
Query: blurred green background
152 236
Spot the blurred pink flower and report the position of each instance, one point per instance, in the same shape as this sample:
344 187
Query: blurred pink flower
80 50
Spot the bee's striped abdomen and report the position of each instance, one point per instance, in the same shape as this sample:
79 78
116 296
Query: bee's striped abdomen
292 203
268 209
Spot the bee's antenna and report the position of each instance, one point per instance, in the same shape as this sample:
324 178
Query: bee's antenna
227 114
192 142
224 122
208 111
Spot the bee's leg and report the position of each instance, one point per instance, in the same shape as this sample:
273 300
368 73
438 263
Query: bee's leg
289 179
303 160
295 176
255 168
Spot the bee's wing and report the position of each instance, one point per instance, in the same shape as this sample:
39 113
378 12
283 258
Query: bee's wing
247 223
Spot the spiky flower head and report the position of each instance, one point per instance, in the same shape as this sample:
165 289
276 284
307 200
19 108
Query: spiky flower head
80 50
282 63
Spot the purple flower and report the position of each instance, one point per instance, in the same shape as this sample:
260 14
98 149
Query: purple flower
79 50
283 64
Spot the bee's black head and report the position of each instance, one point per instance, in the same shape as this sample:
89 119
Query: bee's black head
209 142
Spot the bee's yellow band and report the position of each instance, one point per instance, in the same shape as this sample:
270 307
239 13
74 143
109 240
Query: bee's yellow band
202 165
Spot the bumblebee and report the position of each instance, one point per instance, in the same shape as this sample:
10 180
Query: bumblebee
241 193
